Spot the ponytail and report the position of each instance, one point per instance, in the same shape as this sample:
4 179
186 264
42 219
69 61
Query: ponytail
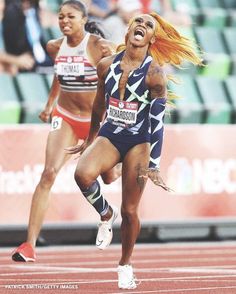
93 28
171 47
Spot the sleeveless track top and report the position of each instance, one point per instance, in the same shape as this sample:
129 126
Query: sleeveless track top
74 71
131 115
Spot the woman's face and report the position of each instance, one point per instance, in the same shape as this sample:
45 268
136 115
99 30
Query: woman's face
142 30
71 20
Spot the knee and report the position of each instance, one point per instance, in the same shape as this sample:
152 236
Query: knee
83 179
107 179
48 176
129 214
111 175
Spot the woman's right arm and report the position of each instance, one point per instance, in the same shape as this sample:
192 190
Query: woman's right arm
52 49
99 104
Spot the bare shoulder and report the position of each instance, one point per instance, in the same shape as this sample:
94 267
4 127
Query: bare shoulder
104 64
156 80
155 71
103 43
99 47
53 47
99 41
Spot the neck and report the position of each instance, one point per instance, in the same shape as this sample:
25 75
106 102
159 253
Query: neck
135 54
75 39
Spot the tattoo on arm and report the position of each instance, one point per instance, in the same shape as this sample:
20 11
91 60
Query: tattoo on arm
141 181
157 82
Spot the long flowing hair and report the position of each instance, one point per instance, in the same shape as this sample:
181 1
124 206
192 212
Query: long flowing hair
170 47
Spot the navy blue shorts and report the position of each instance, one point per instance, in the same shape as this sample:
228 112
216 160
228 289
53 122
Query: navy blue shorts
124 143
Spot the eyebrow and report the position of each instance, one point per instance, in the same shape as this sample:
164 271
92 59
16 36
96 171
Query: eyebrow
142 19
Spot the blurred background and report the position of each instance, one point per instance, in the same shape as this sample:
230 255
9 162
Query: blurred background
198 158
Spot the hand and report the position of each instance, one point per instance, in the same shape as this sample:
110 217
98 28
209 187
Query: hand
107 49
45 114
154 175
25 61
77 148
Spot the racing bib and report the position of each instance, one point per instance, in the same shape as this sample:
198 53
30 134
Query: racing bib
122 113
72 66
56 123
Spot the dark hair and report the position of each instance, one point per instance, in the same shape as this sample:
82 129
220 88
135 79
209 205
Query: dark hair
90 26
77 5
93 28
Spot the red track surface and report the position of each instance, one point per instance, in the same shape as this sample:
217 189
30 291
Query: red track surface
185 268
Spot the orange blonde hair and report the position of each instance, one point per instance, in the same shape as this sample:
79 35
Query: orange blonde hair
170 46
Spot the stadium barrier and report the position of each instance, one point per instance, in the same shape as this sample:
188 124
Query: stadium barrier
198 163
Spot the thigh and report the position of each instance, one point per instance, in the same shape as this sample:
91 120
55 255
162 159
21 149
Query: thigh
57 141
99 157
133 185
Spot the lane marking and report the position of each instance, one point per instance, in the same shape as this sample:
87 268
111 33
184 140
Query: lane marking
176 290
156 260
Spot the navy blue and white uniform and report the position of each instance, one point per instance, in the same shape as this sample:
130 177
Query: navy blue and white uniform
127 121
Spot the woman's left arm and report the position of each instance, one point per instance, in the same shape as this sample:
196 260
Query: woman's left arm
156 82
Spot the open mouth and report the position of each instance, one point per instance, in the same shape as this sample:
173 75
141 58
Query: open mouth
66 28
139 34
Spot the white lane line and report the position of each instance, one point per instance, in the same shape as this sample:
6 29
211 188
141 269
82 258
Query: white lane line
114 247
158 251
192 278
92 281
42 268
202 270
63 271
139 280
156 260
176 290
35 270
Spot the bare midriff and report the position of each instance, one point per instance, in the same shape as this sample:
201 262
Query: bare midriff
77 103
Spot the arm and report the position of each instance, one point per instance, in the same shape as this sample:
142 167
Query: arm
52 49
157 85
99 106
23 61
158 92
53 94
156 115
108 47
11 64
100 48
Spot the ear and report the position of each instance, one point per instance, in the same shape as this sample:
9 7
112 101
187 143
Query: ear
153 40
84 20
126 38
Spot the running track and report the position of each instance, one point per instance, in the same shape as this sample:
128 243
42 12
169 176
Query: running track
174 268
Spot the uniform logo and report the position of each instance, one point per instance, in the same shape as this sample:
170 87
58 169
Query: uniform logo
137 74
121 104
69 59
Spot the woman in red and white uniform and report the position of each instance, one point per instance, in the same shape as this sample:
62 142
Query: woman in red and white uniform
69 106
